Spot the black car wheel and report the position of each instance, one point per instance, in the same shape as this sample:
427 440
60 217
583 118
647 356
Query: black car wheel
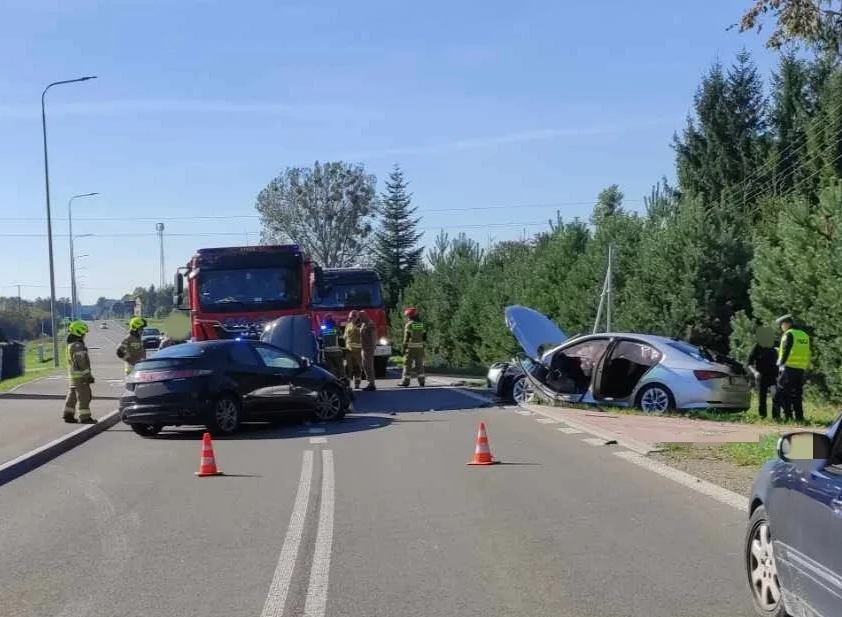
761 567
329 405
226 416
147 430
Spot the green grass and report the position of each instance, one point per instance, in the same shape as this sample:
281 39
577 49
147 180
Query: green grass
752 455
34 368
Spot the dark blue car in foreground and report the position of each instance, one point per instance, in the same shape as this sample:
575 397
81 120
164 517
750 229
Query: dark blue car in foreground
793 545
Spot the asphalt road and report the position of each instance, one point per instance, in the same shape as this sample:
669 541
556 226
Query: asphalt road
374 516
31 414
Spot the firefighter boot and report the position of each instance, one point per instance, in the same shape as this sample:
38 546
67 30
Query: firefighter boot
404 383
356 384
69 417
421 381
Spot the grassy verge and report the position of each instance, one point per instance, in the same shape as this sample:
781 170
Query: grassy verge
748 455
34 367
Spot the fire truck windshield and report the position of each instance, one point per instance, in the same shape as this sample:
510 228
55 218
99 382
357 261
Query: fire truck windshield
348 295
237 290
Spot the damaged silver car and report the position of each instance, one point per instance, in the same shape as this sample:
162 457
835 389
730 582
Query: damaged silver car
653 373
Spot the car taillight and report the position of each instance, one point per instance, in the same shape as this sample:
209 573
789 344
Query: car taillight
706 375
165 375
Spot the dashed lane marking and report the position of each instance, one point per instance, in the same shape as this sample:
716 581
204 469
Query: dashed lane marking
569 431
547 421
316 440
594 441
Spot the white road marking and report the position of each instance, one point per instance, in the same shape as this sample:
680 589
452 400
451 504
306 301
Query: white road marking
594 441
697 484
569 431
317 430
523 412
547 421
316 602
315 440
276 599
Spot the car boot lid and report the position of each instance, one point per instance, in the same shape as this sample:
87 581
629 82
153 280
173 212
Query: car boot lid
533 330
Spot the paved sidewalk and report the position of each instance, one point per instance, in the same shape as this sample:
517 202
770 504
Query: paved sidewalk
30 415
648 432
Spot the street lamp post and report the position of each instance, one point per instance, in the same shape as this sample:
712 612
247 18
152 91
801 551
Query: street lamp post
49 219
73 298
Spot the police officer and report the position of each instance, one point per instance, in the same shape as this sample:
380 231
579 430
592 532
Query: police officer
79 375
414 339
793 360
354 348
330 346
131 349
762 363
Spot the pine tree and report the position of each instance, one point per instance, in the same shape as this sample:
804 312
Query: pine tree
396 251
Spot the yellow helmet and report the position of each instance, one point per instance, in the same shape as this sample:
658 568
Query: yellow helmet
137 323
77 328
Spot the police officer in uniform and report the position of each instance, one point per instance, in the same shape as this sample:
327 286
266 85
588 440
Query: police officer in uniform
79 375
793 360
131 349
354 348
330 346
414 339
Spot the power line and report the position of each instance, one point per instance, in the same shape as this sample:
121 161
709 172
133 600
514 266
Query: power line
509 225
254 217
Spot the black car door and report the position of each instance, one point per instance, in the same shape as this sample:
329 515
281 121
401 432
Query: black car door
246 369
279 393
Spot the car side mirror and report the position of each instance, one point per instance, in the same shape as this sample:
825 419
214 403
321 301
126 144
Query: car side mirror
804 448
305 362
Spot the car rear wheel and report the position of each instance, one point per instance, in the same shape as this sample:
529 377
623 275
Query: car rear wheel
656 399
329 405
761 567
147 430
226 416
522 392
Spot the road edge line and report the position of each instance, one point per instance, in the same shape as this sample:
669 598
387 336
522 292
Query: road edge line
723 495
23 464
629 444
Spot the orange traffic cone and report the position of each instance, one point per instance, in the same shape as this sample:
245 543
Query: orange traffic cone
482 453
207 464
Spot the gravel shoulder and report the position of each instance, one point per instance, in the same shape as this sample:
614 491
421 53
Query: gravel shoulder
710 464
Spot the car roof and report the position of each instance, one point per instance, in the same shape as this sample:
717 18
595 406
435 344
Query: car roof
651 339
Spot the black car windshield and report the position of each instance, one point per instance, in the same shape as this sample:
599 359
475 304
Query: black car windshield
694 352
349 295
278 287
151 332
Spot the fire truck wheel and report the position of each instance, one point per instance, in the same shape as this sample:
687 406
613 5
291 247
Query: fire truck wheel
380 365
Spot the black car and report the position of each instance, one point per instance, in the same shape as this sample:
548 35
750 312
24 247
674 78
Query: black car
222 383
793 542
150 337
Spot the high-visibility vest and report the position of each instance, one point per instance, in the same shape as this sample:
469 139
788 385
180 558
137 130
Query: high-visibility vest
415 334
799 354
330 340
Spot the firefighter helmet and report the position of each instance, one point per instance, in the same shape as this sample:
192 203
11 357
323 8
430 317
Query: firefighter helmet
136 323
77 328
411 312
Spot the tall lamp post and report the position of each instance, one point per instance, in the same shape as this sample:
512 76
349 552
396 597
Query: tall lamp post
49 219
73 298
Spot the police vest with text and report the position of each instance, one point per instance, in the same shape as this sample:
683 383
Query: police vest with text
799 354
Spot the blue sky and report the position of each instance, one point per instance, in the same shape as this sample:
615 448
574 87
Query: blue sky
499 114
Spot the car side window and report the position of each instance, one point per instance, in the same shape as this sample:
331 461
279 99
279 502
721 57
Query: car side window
637 352
588 353
244 355
274 358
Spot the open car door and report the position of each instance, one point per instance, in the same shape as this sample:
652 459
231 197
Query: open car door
537 334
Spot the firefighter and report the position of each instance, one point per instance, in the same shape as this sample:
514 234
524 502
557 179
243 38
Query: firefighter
368 335
131 349
354 348
330 346
414 339
793 360
79 375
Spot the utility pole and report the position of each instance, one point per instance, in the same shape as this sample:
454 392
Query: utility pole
20 302
159 227
605 296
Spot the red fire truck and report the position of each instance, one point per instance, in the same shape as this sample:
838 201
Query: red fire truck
234 291
342 290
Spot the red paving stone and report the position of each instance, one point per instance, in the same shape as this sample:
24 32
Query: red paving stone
661 430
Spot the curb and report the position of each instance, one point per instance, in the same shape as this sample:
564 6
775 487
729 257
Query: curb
33 459
629 444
